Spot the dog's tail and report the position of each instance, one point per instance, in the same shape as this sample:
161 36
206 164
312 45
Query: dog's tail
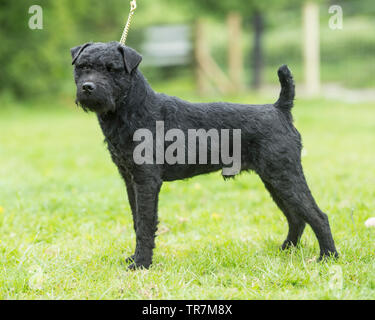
285 102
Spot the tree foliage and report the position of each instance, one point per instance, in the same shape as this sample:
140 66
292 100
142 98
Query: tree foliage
35 61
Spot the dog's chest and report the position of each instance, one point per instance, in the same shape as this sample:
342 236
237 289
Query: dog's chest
118 140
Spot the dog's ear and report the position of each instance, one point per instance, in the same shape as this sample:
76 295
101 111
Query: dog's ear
76 51
132 58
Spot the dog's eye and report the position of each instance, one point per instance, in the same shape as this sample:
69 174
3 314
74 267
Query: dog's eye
83 67
110 68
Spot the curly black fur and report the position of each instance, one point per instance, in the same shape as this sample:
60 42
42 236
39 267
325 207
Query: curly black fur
110 84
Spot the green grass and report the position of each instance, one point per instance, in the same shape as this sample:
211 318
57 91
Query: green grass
65 223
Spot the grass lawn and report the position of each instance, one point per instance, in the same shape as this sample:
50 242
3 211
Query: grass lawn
65 223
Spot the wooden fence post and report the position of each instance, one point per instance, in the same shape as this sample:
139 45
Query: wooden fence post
199 48
311 48
207 68
235 57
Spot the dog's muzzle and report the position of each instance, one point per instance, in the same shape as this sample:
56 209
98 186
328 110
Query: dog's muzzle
94 97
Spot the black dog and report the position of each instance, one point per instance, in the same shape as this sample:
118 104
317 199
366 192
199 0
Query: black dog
110 84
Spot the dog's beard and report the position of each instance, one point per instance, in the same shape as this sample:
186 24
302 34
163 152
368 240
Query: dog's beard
95 103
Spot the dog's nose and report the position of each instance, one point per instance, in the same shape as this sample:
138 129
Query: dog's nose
88 87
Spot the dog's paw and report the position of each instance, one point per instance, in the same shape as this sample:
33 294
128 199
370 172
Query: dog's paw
138 263
132 266
139 266
130 259
324 256
288 244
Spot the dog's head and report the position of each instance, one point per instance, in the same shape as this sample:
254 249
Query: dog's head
103 73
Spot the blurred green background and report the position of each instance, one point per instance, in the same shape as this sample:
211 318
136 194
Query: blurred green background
35 63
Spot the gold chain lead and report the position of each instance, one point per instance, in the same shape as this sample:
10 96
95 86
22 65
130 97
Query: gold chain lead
133 6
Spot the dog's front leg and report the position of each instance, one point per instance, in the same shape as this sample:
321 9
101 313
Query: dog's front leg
130 188
146 195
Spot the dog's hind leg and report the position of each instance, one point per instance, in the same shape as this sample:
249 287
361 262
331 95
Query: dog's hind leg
290 188
296 224
146 199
